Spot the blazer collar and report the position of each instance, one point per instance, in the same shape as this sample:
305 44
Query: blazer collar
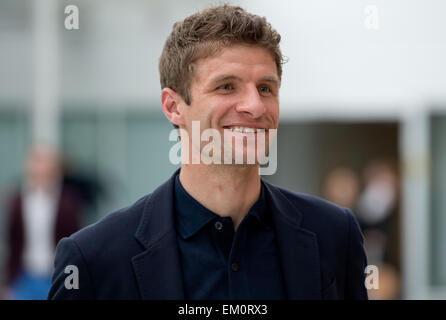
158 268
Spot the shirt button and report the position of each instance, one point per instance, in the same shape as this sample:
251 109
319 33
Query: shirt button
218 225
234 266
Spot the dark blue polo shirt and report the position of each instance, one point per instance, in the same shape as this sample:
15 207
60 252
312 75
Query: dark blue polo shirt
219 263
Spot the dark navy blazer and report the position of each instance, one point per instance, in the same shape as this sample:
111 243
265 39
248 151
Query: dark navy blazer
133 253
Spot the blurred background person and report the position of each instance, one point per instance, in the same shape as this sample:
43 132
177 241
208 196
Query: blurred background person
379 196
41 212
373 197
91 188
376 209
341 187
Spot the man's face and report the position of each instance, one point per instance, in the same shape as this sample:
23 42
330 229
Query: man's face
237 87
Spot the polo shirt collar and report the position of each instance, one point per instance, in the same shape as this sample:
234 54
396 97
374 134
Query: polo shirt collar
191 216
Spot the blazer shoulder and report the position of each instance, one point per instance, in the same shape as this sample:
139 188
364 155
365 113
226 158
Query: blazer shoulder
115 229
101 252
308 200
317 211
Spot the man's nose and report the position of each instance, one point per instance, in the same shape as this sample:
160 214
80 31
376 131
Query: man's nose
251 103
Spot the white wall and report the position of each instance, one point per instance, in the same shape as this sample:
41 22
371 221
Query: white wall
336 66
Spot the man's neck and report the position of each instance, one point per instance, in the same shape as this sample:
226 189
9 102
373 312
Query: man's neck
227 190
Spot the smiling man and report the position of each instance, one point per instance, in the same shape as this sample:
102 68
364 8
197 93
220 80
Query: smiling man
216 230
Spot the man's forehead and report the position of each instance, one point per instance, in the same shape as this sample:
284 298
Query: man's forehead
229 61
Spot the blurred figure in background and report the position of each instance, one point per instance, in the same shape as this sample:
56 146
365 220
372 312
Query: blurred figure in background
376 209
40 213
342 187
374 200
379 196
89 187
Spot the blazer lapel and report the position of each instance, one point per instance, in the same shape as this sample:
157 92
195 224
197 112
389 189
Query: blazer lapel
158 269
298 248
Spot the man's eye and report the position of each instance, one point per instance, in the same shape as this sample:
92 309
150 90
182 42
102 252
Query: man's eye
226 86
264 89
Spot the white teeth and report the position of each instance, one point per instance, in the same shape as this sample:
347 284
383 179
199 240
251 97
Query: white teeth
244 129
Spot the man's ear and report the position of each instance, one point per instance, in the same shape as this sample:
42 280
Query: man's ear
170 101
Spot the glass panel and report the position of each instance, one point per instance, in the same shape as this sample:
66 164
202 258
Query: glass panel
13 141
126 154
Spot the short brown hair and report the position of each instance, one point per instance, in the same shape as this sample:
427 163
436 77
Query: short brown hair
203 33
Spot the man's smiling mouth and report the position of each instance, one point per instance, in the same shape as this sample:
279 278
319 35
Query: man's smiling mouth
242 129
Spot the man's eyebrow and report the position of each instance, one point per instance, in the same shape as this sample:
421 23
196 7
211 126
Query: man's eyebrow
273 79
224 77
